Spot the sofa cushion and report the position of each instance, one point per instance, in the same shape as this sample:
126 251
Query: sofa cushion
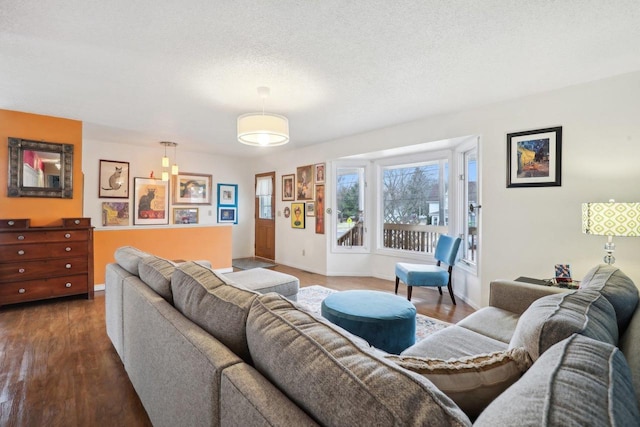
453 342
335 380
156 273
630 347
553 318
492 322
578 381
472 382
617 288
217 307
128 258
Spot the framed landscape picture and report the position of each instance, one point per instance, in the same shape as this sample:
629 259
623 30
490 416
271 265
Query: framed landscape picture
192 189
534 158
113 179
185 215
150 201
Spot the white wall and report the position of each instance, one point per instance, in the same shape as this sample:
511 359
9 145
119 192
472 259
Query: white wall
142 160
524 231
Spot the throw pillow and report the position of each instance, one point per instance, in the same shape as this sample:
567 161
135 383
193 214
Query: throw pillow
128 258
219 308
617 288
552 318
577 382
156 273
472 382
334 379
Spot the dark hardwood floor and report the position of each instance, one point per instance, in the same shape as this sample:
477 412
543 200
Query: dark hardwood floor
58 367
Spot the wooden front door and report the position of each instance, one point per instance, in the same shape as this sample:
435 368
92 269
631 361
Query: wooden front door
265 216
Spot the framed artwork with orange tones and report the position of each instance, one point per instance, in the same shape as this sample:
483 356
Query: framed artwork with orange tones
297 215
150 201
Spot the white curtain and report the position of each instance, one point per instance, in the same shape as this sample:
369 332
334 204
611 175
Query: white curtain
264 187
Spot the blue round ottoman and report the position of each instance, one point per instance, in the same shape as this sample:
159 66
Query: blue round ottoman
386 321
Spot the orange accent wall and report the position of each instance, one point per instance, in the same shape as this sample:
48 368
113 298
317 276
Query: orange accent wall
187 243
41 211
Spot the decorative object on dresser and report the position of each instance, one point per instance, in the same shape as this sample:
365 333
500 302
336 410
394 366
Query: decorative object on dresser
45 262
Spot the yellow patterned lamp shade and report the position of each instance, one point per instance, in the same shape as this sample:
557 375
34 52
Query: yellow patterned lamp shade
611 219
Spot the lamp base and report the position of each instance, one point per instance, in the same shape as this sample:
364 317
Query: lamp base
609 259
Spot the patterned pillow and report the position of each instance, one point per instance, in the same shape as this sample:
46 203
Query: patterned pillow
551 319
577 382
128 258
472 382
617 288
334 379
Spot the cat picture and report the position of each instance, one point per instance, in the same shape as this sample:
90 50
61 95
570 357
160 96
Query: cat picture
146 199
113 179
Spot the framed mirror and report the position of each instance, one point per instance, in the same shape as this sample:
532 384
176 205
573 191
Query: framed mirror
40 169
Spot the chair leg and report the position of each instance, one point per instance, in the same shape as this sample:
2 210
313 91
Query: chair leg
440 290
451 291
397 281
409 288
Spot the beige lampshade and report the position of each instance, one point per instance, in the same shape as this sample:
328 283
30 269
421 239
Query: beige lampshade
611 219
263 129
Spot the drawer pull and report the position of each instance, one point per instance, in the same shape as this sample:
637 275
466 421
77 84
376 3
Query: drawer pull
20 252
21 270
68 249
67 285
77 221
11 223
21 291
67 266
21 237
67 236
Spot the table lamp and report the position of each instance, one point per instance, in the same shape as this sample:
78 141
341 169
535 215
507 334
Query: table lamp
611 219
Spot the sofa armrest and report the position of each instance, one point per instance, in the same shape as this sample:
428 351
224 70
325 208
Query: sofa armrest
516 297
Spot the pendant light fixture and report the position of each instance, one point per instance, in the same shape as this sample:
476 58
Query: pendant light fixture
165 160
263 129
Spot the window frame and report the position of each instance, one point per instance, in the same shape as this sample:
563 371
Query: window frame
366 243
409 161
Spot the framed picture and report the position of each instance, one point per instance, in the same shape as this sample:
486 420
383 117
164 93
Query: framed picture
534 158
310 207
227 194
185 215
287 187
150 201
319 209
113 179
304 183
228 215
319 173
115 214
297 215
191 189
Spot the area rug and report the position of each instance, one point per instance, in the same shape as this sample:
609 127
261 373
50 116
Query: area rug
249 263
311 297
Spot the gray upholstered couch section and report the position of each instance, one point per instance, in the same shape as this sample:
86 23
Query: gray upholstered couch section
302 371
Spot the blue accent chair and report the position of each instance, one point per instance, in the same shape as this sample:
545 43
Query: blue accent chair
431 275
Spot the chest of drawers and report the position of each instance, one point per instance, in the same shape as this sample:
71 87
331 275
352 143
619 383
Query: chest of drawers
45 262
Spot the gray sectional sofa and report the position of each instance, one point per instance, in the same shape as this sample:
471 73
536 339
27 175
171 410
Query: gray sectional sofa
202 350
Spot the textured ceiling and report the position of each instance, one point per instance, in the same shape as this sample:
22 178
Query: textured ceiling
149 70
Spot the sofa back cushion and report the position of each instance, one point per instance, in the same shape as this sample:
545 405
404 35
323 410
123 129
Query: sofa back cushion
578 381
472 382
156 273
617 288
128 258
551 319
206 299
630 347
335 380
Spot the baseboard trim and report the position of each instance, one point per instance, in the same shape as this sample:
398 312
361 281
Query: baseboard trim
99 287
